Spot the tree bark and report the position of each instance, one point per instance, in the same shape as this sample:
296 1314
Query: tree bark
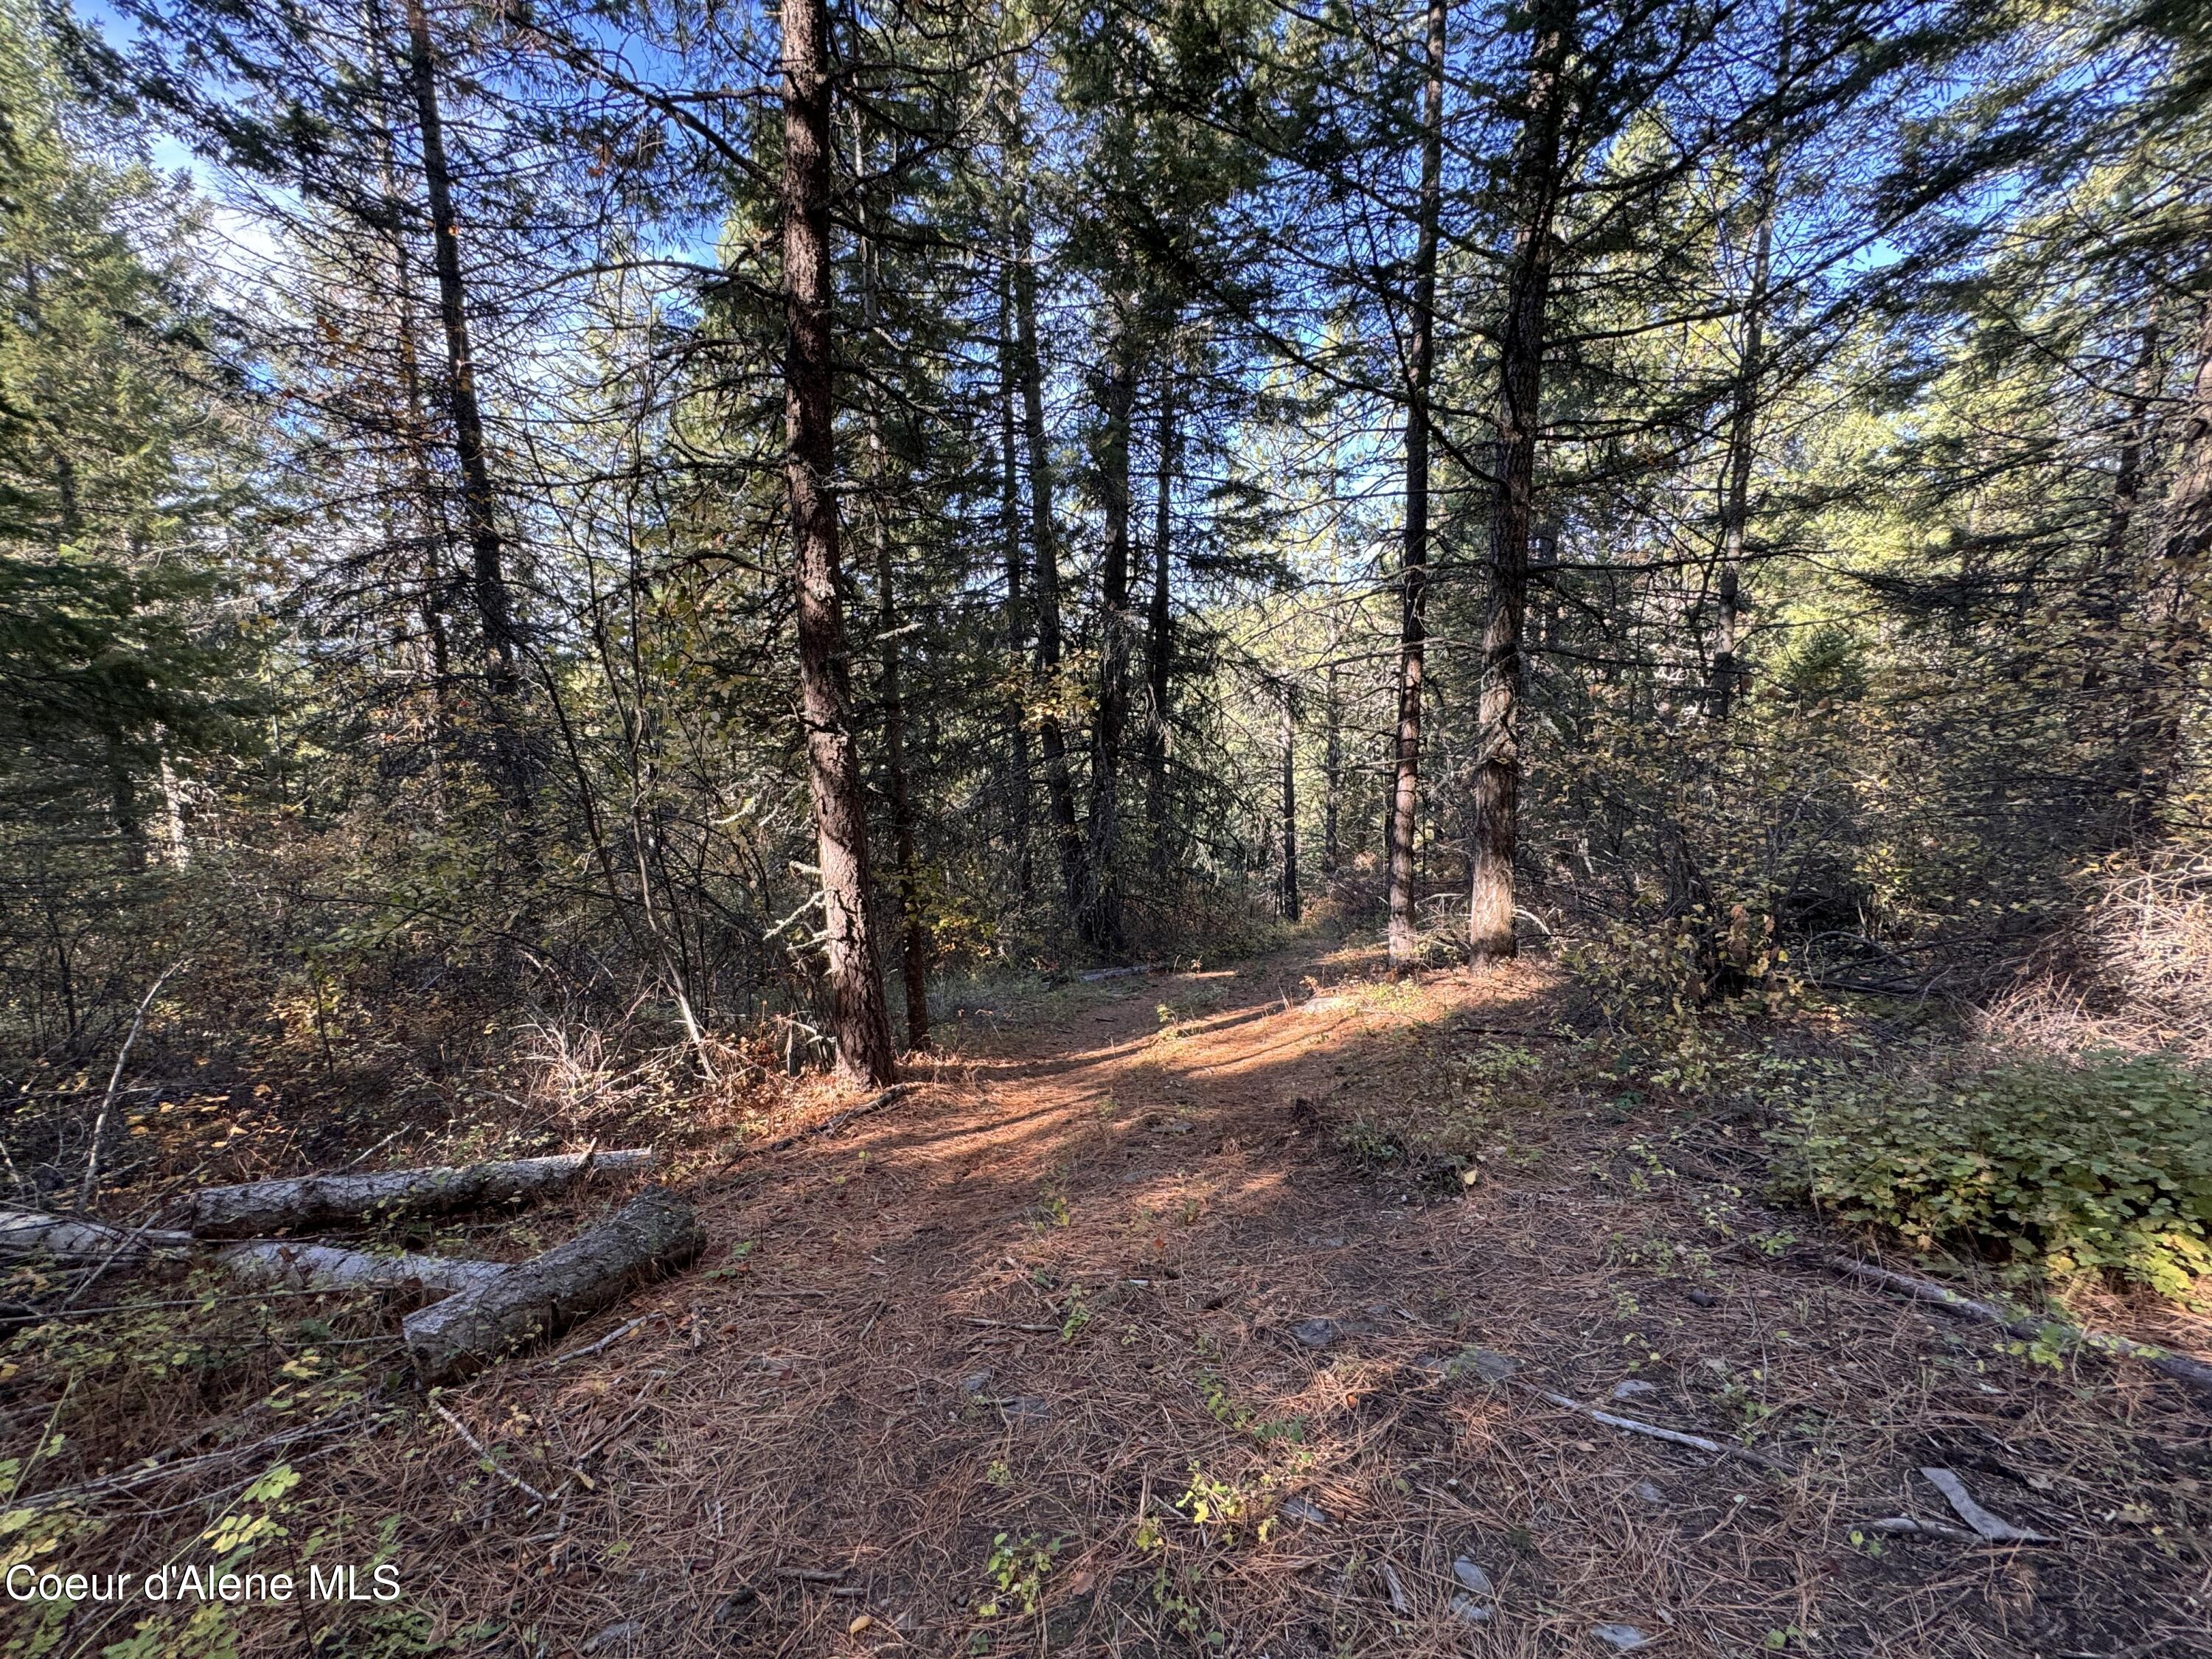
479 502
304 1202
860 1019
1051 739
1332 777
320 1268
1010 527
1512 510
1100 918
1287 901
32 1231
914 951
1413 625
914 935
536 1300
1159 643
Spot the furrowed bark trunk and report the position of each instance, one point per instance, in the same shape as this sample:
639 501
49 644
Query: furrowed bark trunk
1101 916
320 1268
1413 623
536 1300
1059 791
1159 643
32 1231
860 1021
479 503
1512 512
310 1201
1009 525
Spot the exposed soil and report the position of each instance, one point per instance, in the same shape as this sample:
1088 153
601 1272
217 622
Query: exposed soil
1106 1327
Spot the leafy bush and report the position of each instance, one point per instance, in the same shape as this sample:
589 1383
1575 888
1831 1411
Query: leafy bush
1668 989
2104 1166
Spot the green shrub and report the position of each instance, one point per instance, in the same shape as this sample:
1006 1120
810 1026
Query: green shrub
1671 992
2104 1166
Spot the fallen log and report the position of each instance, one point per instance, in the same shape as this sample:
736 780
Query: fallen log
25 1230
320 1268
2191 1374
308 1201
534 1300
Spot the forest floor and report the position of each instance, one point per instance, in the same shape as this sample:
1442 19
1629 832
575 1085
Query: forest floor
1128 1332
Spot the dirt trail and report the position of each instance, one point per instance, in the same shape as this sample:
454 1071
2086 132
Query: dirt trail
1100 1342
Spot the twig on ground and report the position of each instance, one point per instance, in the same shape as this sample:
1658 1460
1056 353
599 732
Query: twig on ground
1905 1524
132 1478
602 1345
2193 1374
359 1159
1673 1436
484 1460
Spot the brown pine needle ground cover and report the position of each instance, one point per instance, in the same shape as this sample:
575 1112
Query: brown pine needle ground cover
1138 1329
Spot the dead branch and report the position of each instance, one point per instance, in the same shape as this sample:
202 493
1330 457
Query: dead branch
2192 1374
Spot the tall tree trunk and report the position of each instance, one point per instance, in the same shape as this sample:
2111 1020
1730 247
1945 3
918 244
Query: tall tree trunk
2128 474
1413 623
1010 525
1287 901
2109 576
1100 918
1332 777
1160 643
861 1022
913 936
1512 509
1067 836
172 806
1727 677
479 504
2176 600
425 498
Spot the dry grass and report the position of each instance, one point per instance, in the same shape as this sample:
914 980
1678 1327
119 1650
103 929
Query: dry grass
2136 976
1057 1295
